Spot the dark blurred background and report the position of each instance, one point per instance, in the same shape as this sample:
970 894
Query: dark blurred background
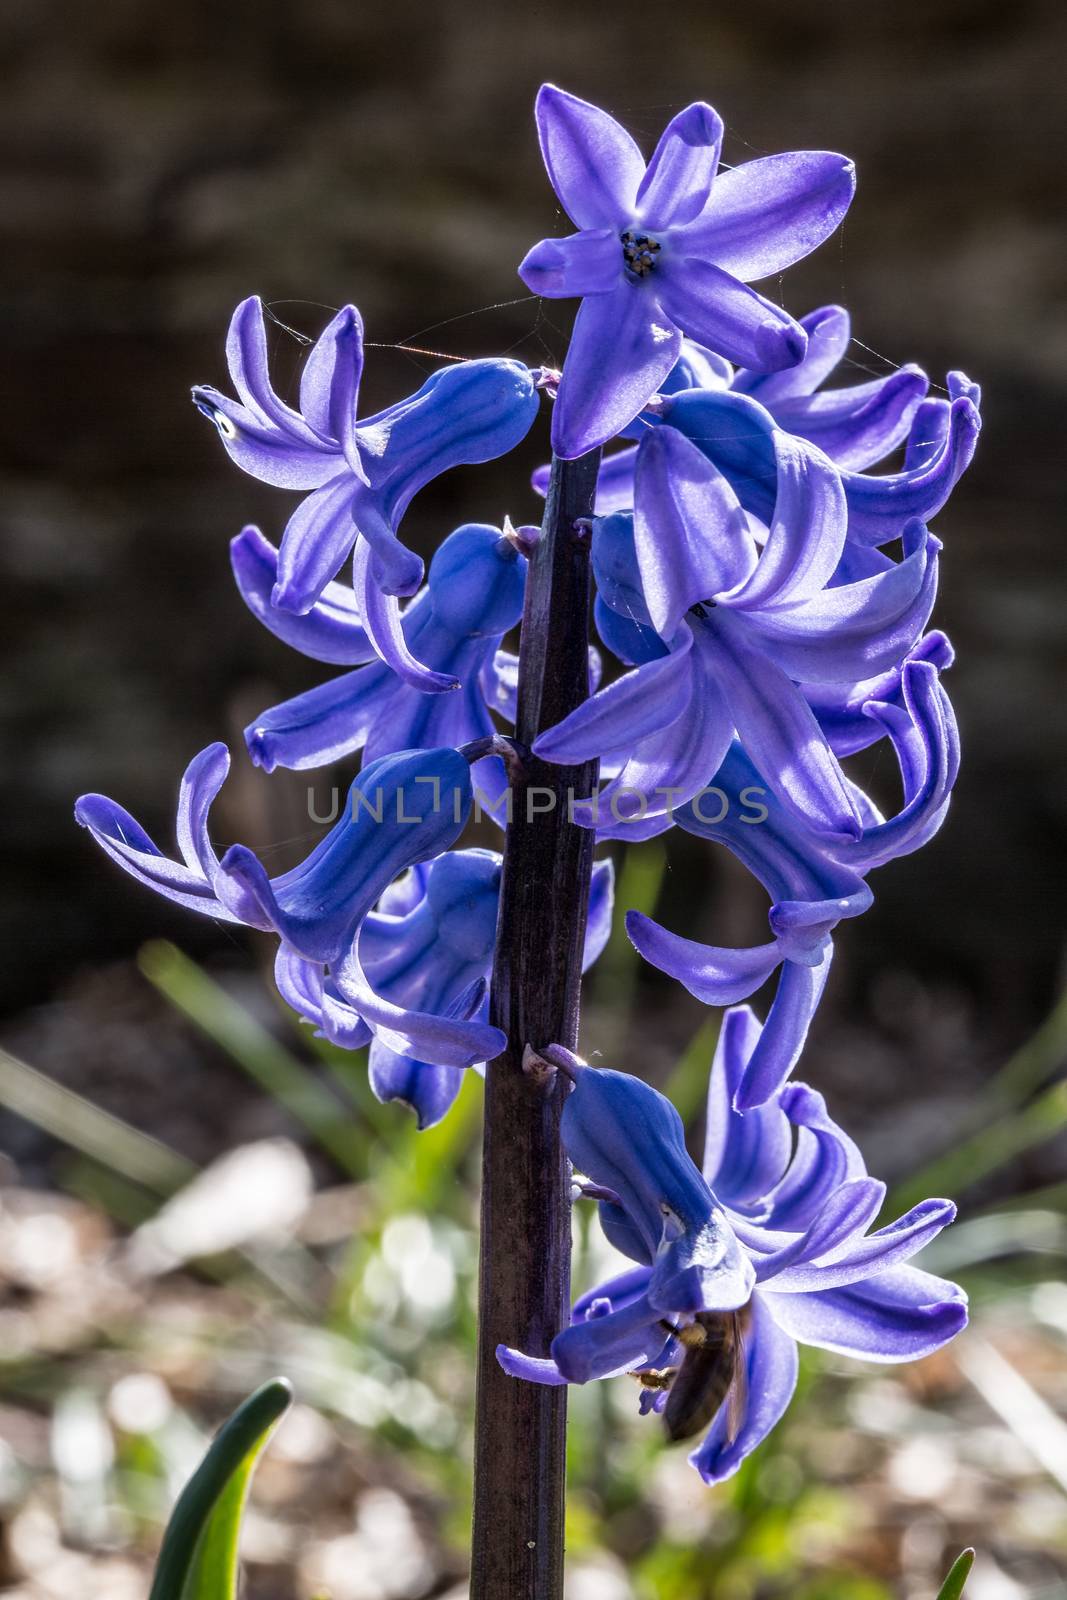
160 161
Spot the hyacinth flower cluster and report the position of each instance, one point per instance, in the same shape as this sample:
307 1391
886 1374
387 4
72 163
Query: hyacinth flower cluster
765 577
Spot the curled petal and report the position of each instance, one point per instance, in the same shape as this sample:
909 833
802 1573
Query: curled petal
594 165
263 450
621 349
856 630
900 1315
628 710
771 1359
744 1156
583 263
678 180
329 384
847 1212
126 842
718 976
766 214
385 630
829 331
875 1253
778 1050
824 1159
429 1090
535 1369
807 531
246 357
322 725
190 883
860 425
317 539
331 631
442 1040
716 309
878 507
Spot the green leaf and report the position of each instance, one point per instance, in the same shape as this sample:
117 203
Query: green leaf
952 1587
198 1559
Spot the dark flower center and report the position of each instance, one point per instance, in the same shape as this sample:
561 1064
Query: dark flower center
639 252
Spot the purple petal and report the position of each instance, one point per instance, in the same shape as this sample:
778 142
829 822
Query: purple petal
807 530
744 1156
857 630
829 332
771 1358
717 310
615 483
444 1041
329 384
635 706
385 629
778 730
429 1090
201 782
678 180
246 357
299 982
322 725
535 1369
861 1258
690 534
766 214
719 977
606 1346
601 908
899 1315
331 631
926 740
860 425
879 507
665 769
780 1044
263 450
621 349
317 539
593 164
127 843
583 263
824 1158
847 1212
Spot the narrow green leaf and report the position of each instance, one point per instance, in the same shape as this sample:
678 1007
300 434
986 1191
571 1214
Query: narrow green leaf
952 1587
198 1558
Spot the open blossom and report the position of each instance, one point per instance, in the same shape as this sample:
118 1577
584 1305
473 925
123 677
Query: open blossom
441 673
744 625
428 944
403 809
668 249
361 475
776 1227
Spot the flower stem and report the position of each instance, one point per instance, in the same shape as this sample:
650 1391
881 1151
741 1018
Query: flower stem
524 1285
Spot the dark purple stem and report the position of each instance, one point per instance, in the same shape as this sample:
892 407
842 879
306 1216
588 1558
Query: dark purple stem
524 1286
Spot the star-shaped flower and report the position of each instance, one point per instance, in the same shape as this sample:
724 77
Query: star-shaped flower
668 249
771 1242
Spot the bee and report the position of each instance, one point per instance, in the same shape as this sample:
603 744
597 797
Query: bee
655 1378
712 1373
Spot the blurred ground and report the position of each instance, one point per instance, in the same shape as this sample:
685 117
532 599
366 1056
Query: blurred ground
159 162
